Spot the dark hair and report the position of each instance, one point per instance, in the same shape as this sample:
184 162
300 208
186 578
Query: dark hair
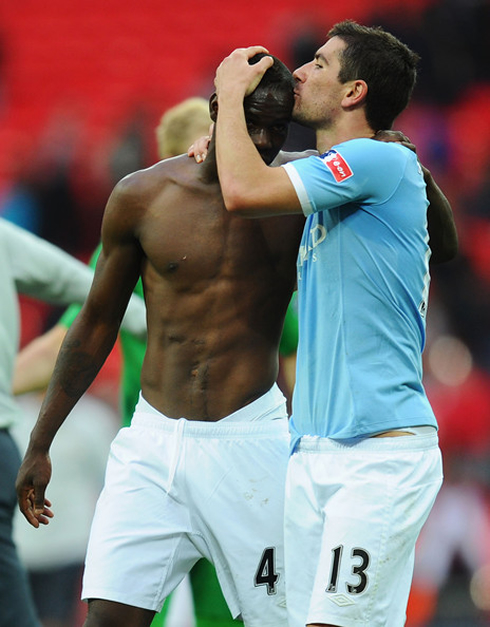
387 65
277 77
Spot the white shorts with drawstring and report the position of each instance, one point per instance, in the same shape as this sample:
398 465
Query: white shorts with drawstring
180 490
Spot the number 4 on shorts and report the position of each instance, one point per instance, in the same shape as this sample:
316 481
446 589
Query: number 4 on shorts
266 572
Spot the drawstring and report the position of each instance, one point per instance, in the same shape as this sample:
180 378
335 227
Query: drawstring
178 433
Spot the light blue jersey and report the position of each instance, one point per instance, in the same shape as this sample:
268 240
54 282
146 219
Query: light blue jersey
363 282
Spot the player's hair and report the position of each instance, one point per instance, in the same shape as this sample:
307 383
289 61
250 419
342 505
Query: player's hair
181 125
387 65
277 78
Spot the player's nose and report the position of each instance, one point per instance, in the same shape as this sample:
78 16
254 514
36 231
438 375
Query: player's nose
262 138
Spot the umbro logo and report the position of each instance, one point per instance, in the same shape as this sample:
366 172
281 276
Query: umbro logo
341 600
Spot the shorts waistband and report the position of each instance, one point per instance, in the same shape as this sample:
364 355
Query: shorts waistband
318 444
263 416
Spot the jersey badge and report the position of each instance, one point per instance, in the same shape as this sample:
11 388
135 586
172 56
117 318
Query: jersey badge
337 165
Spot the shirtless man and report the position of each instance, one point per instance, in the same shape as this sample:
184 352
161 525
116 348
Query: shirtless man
200 471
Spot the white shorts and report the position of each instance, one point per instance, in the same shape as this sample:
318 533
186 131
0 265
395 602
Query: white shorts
353 514
180 490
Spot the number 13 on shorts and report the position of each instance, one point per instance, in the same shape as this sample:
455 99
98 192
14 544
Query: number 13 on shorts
358 561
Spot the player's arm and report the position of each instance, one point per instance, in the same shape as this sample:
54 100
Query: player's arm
86 346
35 362
443 236
250 188
134 320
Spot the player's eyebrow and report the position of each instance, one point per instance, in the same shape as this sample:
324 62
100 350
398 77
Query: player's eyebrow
320 57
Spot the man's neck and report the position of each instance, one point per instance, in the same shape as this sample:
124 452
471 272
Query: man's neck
326 138
209 169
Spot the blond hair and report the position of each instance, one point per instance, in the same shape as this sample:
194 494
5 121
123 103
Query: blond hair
181 125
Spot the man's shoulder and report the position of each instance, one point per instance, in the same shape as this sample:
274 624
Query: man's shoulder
148 181
372 156
148 176
371 148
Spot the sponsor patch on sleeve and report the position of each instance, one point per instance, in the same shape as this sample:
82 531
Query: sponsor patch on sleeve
337 165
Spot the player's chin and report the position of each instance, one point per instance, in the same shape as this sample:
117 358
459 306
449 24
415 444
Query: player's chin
297 106
267 156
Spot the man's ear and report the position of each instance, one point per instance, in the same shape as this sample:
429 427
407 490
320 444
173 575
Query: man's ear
213 107
355 94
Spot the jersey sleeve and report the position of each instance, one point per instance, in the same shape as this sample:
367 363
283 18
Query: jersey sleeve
352 172
44 271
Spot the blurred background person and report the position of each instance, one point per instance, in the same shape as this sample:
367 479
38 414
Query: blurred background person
54 561
31 266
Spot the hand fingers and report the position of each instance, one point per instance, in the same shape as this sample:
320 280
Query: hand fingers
396 137
39 499
199 148
236 74
260 68
45 516
250 51
26 504
240 53
35 514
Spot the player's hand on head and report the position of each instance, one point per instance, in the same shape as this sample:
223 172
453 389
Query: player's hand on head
235 75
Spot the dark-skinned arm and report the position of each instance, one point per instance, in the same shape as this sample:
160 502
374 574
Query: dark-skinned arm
86 346
443 236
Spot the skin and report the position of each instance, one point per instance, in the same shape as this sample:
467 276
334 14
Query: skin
216 289
333 109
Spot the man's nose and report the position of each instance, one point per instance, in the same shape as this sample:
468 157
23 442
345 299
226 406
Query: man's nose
262 137
300 73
